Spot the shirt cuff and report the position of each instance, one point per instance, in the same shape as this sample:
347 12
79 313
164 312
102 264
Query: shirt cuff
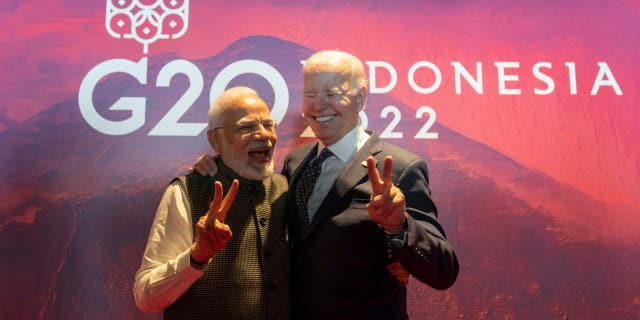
185 266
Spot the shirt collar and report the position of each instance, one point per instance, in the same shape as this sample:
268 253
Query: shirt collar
347 147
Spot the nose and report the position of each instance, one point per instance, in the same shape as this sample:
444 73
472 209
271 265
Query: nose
316 103
261 132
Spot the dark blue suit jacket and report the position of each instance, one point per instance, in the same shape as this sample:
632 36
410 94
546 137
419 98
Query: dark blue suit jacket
339 264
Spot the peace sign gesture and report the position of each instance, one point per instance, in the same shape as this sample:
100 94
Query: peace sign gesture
212 234
387 204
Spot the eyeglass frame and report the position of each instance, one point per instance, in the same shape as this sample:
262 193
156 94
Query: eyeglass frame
250 127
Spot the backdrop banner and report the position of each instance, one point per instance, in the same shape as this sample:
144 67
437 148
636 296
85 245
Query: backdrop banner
526 113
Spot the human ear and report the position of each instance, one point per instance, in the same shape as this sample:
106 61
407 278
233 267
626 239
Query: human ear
361 97
212 137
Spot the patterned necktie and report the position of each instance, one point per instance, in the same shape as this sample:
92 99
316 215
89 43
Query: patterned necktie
305 187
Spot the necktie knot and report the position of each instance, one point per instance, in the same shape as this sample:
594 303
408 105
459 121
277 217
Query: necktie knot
324 154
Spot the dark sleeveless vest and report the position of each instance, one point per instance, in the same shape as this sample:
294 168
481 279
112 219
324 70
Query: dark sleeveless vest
250 277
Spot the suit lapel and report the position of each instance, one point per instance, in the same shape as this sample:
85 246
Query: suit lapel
352 174
356 169
298 163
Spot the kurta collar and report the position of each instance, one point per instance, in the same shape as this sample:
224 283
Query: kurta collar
227 172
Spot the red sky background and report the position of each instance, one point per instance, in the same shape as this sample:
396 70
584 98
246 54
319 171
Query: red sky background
588 142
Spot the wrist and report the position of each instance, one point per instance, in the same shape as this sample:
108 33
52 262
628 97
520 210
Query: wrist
196 261
397 237
396 229
197 265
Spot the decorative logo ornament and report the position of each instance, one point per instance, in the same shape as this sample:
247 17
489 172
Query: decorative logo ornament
147 20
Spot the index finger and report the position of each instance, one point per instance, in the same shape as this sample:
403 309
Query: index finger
374 176
387 173
215 204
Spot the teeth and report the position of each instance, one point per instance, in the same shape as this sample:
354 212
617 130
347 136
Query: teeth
324 119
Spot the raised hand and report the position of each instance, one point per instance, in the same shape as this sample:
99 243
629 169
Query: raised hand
212 234
387 205
205 165
401 274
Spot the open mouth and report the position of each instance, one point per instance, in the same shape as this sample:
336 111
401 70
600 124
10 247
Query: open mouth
262 155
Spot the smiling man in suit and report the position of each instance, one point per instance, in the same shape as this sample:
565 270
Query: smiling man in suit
351 223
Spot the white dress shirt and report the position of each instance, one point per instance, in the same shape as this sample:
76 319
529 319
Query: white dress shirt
343 151
166 272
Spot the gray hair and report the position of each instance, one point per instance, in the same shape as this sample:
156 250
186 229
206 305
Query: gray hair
225 100
349 65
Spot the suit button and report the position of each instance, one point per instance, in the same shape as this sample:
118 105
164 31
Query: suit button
271 287
267 253
426 256
262 221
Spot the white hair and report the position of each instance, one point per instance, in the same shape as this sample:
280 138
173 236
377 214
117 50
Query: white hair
344 62
226 99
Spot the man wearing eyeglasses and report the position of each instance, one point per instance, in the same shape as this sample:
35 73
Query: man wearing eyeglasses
215 257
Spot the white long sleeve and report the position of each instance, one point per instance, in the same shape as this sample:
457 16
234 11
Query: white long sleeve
165 272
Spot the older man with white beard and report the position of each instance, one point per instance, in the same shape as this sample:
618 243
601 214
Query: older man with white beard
215 258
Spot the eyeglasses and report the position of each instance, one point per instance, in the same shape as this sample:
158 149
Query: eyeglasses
243 128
